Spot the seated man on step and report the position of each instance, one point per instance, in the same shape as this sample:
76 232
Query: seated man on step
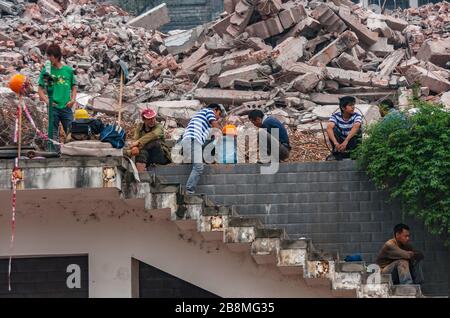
399 258
148 144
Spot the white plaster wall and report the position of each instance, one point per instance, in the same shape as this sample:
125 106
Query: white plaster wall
112 232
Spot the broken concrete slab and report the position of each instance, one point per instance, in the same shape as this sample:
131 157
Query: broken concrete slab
307 27
184 41
445 100
330 21
292 15
153 19
180 109
394 23
230 97
289 51
381 48
435 51
11 59
259 30
250 72
305 83
430 79
348 62
345 41
391 62
355 78
194 58
363 33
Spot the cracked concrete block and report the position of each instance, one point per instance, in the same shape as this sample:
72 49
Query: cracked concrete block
345 41
326 17
305 83
153 18
363 33
289 51
435 51
250 72
348 62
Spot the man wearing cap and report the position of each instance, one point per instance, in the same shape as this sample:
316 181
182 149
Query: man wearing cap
194 139
149 145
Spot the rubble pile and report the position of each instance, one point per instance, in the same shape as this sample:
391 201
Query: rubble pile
291 59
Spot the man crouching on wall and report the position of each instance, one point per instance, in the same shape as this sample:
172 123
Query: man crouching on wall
148 144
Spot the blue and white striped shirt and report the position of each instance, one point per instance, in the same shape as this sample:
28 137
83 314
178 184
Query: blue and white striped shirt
345 125
199 125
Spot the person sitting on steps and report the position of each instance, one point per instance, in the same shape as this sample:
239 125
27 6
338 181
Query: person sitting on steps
399 258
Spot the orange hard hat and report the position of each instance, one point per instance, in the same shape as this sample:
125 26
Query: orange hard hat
17 83
230 130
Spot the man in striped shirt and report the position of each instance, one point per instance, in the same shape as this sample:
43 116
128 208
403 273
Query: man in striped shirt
194 139
344 128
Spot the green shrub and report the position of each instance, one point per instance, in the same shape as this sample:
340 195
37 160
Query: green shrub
409 156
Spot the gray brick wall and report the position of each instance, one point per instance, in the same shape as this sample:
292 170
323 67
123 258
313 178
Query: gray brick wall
331 202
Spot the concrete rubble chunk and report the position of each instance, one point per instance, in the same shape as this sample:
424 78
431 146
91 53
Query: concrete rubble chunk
184 41
181 109
50 7
330 21
348 62
289 51
395 23
292 15
269 7
435 51
345 41
152 19
194 58
230 97
305 83
250 72
381 48
371 113
430 79
391 62
363 33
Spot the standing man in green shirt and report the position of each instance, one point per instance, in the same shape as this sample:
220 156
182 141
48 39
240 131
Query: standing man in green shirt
64 90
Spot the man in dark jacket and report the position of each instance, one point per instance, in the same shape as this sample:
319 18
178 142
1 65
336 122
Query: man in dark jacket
399 258
269 124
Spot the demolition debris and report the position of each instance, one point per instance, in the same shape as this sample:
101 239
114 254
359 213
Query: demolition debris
291 59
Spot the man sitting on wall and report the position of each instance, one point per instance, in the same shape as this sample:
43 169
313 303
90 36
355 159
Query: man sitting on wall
344 129
148 144
268 124
399 258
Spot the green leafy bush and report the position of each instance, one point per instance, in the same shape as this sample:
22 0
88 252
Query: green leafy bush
409 156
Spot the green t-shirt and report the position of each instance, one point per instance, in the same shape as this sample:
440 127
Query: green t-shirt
63 79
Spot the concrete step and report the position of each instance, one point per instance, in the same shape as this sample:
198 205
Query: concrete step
212 228
241 233
266 246
319 272
292 256
187 216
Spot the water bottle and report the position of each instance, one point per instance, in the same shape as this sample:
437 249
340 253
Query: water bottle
48 67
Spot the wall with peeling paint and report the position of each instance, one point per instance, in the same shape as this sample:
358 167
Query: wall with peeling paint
113 231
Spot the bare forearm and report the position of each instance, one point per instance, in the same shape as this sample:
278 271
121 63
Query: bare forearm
330 134
353 132
42 95
73 94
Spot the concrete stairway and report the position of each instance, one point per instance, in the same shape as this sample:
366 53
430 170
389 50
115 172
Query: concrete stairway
244 234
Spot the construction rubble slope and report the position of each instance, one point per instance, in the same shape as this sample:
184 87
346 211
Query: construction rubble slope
291 59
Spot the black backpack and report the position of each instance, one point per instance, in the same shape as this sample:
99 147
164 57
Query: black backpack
81 127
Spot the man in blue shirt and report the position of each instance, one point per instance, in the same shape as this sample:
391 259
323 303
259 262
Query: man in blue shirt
268 123
194 139
344 129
